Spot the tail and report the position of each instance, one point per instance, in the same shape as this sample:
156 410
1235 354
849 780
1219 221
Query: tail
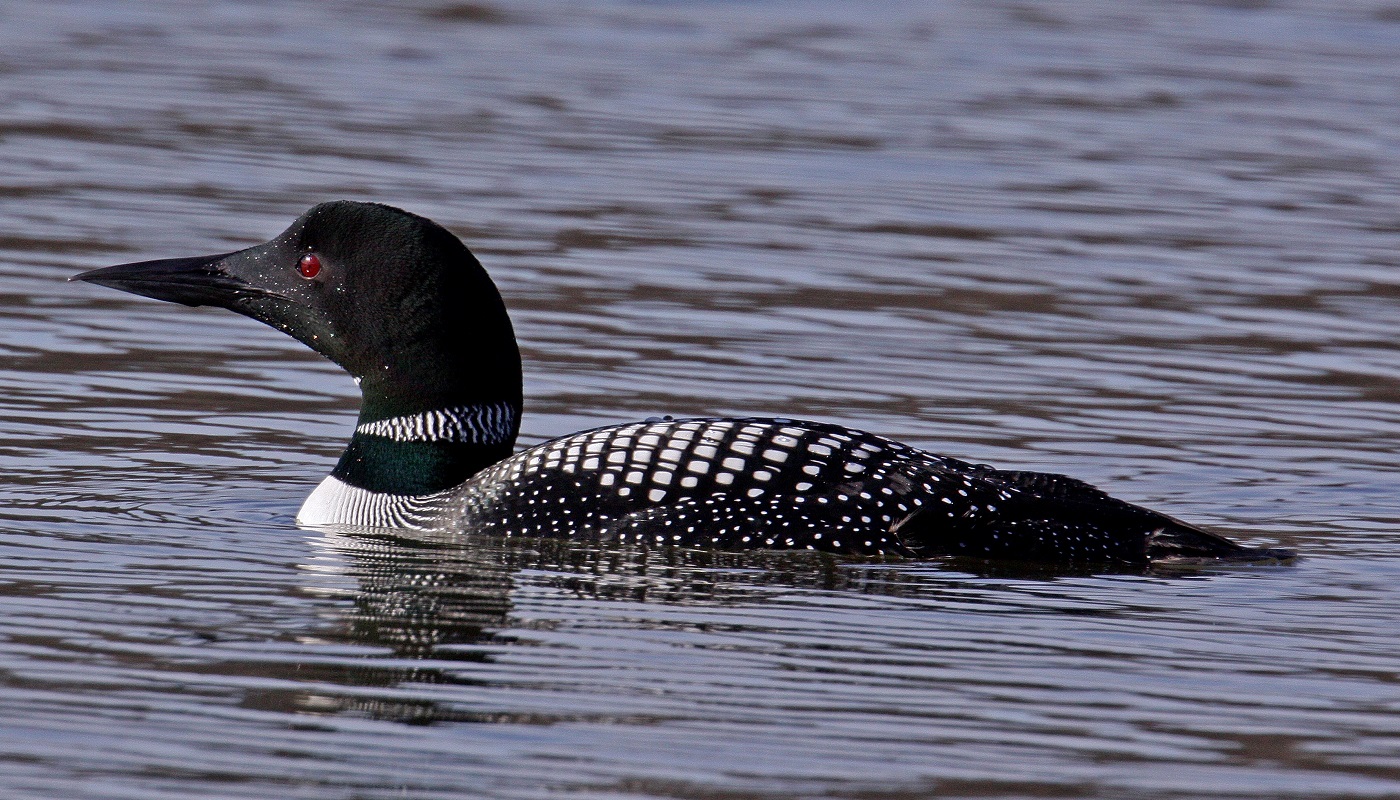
1178 543
1054 518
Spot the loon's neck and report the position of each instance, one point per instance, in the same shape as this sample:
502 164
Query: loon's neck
428 451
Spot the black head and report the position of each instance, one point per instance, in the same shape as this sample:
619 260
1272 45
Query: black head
394 298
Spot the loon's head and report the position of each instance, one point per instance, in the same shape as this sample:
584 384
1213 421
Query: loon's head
396 300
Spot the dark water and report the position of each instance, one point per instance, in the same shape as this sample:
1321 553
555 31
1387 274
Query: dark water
1153 245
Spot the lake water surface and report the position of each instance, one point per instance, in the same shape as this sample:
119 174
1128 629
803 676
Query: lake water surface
1152 245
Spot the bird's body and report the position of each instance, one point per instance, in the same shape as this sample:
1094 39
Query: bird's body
401 304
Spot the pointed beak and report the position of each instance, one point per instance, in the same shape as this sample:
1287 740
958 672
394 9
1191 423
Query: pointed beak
199 281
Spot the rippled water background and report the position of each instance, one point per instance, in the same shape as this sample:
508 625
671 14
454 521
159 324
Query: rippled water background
1153 245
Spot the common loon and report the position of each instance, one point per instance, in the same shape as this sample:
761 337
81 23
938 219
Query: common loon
405 308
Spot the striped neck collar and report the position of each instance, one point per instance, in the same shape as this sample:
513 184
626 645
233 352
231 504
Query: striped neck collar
490 424
418 454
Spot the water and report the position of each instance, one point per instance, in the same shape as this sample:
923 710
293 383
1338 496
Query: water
1150 245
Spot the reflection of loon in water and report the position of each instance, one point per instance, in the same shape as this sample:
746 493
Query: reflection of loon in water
451 609
402 305
441 604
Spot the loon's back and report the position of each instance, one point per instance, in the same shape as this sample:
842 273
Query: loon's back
727 483
792 484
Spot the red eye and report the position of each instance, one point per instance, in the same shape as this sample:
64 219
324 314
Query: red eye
309 266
